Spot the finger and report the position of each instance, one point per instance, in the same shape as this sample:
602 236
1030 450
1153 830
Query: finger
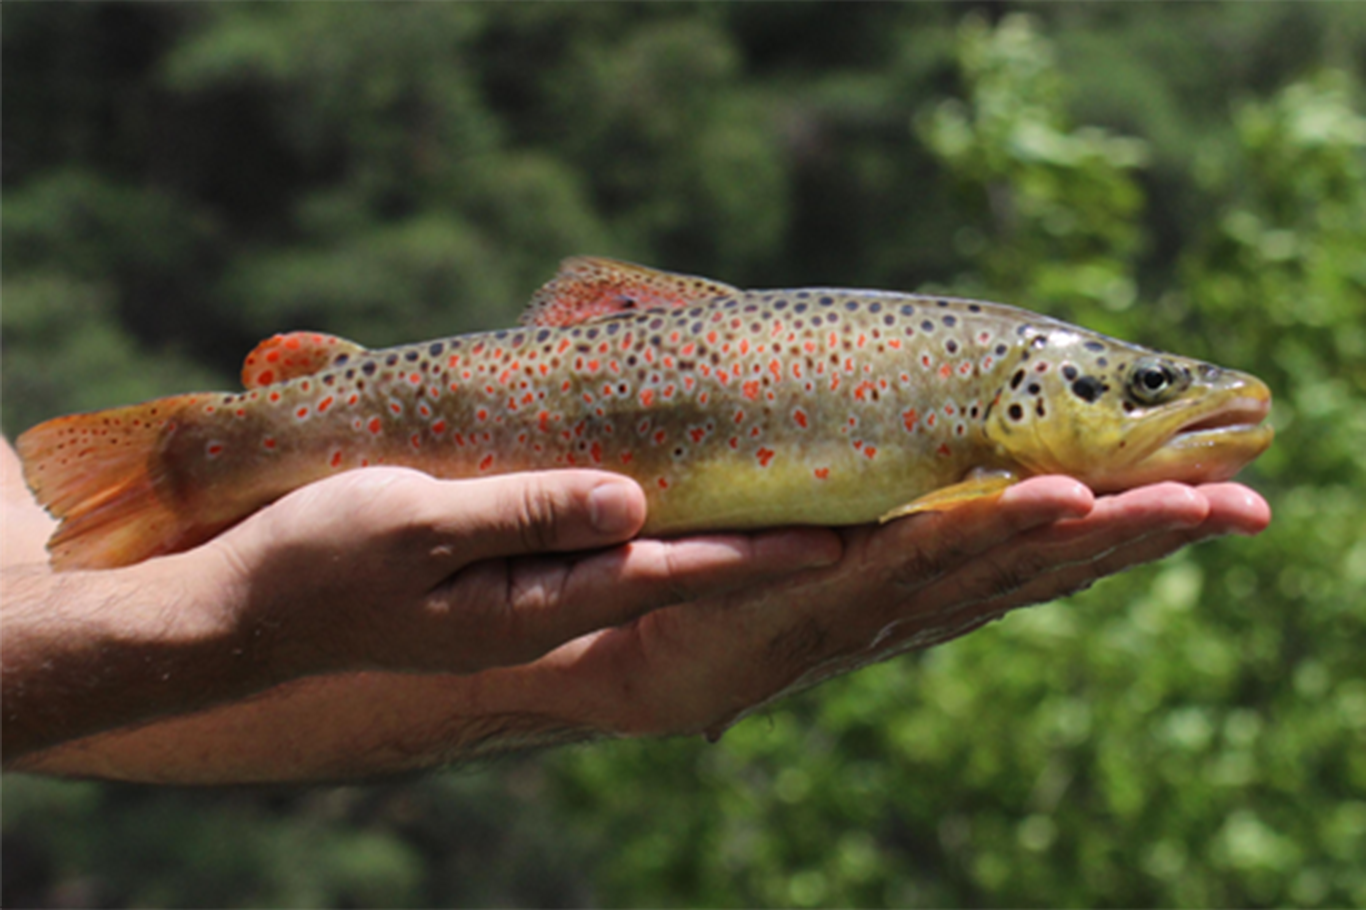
927 546
549 601
1235 509
538 512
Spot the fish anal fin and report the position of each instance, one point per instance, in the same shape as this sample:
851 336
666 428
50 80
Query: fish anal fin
980 484
102 477
593 287
281 358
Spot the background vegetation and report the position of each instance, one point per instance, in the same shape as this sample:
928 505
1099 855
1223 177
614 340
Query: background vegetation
182 180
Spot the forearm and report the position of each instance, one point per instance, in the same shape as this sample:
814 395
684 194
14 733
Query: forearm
344 727
86 652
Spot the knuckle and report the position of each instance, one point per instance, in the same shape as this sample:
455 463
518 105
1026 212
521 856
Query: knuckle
537 518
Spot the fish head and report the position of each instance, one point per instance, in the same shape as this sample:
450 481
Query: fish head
1116 416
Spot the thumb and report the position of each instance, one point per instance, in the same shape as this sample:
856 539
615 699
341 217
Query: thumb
538 512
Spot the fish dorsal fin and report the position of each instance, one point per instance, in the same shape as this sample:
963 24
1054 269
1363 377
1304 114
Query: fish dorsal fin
592 287
281 358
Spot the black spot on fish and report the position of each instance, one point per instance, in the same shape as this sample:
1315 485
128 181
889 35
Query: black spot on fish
340 359
826 301
1102 362
1001 350
950 321
941 303
542 335
1088 388
1016 412
592 333
611 330
951 346
851 305
927 326
500 334
832 317
907 310
1038 407
436 348
1069 372
656 324
780 304
1039 341
799 308
889 319
1024 329
350 374
368 368
974 308
1033 388
695 328
1094 346
816 320
875 308
1017 379
391 360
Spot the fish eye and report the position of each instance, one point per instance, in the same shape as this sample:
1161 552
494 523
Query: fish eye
1153 381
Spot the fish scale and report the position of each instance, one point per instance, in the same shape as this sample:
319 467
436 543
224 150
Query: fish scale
733 409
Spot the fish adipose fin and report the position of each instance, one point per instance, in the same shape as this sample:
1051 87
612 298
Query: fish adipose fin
591 287
101 476
284 357
981 484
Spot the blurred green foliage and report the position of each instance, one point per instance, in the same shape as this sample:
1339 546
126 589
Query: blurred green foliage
181 180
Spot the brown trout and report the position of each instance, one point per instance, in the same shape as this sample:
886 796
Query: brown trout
733 409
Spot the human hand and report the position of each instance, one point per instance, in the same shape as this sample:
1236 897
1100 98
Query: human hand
390 569
696 667
911 584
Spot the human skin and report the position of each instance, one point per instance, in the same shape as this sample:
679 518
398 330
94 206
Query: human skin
382 621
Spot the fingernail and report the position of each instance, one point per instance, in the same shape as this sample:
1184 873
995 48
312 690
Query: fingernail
613 508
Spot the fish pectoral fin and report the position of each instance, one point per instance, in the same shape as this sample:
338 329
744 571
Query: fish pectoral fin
593 287
980 484
281 358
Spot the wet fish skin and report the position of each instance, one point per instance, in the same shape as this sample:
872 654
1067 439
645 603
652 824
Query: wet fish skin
733 409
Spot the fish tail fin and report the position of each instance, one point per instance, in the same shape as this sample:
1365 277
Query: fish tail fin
102 476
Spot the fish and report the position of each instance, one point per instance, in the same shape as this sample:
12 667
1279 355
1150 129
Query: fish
733 409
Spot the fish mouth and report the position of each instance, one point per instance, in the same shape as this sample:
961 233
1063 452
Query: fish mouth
1240 418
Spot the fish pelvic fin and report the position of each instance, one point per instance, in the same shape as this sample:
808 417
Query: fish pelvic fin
980 485
281 358
593 287
102 477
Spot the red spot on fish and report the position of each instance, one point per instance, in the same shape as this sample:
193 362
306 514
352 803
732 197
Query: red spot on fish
946 371
697 434
353 398
486 462
325 404
660 436
734 442
908 418
822 473
739 417
965 369
481 414
894 343
626 457
301 413
274 396
870 451
800 417
454 361
438 428
663 484
336 458
395 407
744 345
596 452
765 456
751 390
929 421
834 340
268 442
415 441
943 451
375 425
415 378
215 449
